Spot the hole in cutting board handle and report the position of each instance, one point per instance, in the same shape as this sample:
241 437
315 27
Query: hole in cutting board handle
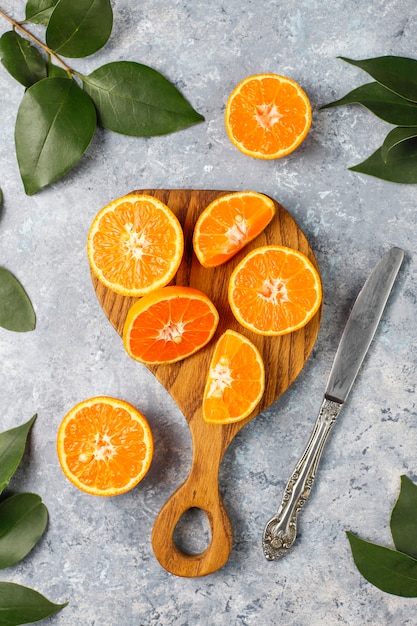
192 533
211 507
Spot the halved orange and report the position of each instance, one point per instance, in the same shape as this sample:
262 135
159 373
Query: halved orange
235 381
135 244
169 325
267 116
274 290
228 223
105 446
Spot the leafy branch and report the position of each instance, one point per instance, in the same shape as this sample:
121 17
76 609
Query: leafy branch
23 520
393 571
61 107
38 42
392 98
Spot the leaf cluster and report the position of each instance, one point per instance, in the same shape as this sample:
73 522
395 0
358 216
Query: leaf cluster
61 107
392 98
393 571
23 520
16 310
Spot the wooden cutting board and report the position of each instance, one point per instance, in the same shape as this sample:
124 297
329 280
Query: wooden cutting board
284 358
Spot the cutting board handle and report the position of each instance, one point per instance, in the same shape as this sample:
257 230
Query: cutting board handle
200 490
191 565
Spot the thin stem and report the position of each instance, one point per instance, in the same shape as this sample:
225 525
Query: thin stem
37 41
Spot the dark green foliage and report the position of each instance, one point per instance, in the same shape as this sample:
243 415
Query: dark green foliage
54 126
16 310
23 520
393 571
57 119
392 98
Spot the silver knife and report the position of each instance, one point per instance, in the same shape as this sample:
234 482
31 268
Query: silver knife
280 532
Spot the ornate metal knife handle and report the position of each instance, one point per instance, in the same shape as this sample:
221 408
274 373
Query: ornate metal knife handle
280 532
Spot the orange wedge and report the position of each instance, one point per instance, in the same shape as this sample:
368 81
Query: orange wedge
228 224
104 446
169 325
267 116
135 244
235 381
274 290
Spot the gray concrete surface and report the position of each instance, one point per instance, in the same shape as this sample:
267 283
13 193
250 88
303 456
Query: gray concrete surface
97 552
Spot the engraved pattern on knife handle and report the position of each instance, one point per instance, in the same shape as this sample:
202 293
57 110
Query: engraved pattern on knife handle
280 532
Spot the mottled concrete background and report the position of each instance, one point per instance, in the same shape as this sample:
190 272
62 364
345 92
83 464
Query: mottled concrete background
97 552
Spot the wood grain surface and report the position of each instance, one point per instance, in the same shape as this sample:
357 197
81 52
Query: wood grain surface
284 358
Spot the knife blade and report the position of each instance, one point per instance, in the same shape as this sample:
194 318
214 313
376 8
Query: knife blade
281 530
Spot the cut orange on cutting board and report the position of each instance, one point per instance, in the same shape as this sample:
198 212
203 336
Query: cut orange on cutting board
274 290
228 224
235 381
104 446
135 245
267 116
169 325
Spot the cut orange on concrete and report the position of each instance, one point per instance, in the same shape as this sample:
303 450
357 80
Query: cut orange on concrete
235 381
267 116
169 325
135 245
105 446
228 224
274 290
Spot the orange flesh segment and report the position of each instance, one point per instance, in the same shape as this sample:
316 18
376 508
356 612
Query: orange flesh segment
135 245
274 290
235 382
104 446
228 224
169 325
268 116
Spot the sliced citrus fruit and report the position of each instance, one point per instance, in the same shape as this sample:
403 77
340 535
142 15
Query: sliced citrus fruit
235 381
135 244
104 446
267 116
274 290
169 325
228 224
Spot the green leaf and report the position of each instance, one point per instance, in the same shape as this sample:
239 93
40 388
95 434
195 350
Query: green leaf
55 71
389 570
395 137
134 99
12 447
399 74
384 103
16 310
54 126
404 519
39 11
78 29
401 166
21 59
23 519
21 605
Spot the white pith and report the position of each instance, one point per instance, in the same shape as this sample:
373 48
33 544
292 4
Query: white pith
135 242
173 331
267 115
274 290
103 450
221 379
237 233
